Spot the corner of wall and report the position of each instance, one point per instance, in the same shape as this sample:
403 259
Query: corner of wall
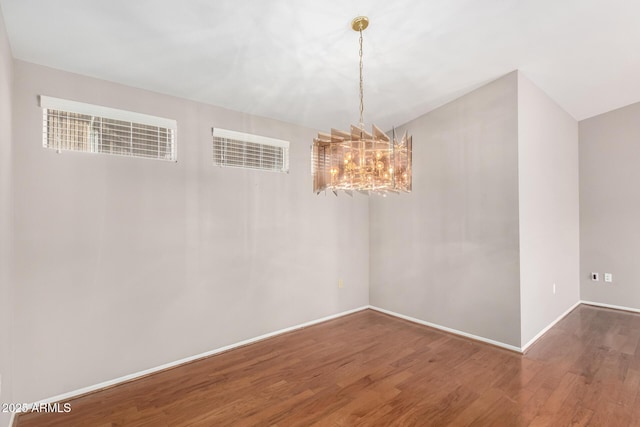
609 207
6 220
457 230
548 204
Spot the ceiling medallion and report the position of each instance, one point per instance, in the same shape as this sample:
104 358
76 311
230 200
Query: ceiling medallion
359 160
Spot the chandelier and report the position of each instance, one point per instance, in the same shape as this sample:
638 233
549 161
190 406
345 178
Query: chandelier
359 160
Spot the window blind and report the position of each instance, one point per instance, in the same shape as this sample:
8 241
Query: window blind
243 150
76 126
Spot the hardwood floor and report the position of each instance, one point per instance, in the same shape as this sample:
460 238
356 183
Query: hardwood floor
372 369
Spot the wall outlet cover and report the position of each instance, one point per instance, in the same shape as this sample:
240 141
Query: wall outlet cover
595 277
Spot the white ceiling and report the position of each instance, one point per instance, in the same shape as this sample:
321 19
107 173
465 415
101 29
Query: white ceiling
297 60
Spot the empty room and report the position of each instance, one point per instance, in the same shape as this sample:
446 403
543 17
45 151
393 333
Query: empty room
327 213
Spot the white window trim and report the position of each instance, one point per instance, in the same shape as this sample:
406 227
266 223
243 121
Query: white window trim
248 137
51 103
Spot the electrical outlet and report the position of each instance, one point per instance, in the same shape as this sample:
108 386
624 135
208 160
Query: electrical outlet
340 283
554 288
595 277
608 277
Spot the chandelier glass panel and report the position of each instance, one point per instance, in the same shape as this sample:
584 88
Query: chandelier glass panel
358 160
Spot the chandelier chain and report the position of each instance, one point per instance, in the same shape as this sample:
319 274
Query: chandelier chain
361 85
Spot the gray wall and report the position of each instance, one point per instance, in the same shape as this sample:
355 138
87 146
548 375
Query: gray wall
610 206
6 306
549 218
447 253
125 264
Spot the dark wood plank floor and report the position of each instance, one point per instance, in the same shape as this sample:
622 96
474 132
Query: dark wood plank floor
371 369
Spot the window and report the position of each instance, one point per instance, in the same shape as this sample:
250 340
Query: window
70 125
243 150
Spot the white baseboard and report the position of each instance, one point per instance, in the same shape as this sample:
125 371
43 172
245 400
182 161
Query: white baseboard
116 381
615 307
446 329
549 326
